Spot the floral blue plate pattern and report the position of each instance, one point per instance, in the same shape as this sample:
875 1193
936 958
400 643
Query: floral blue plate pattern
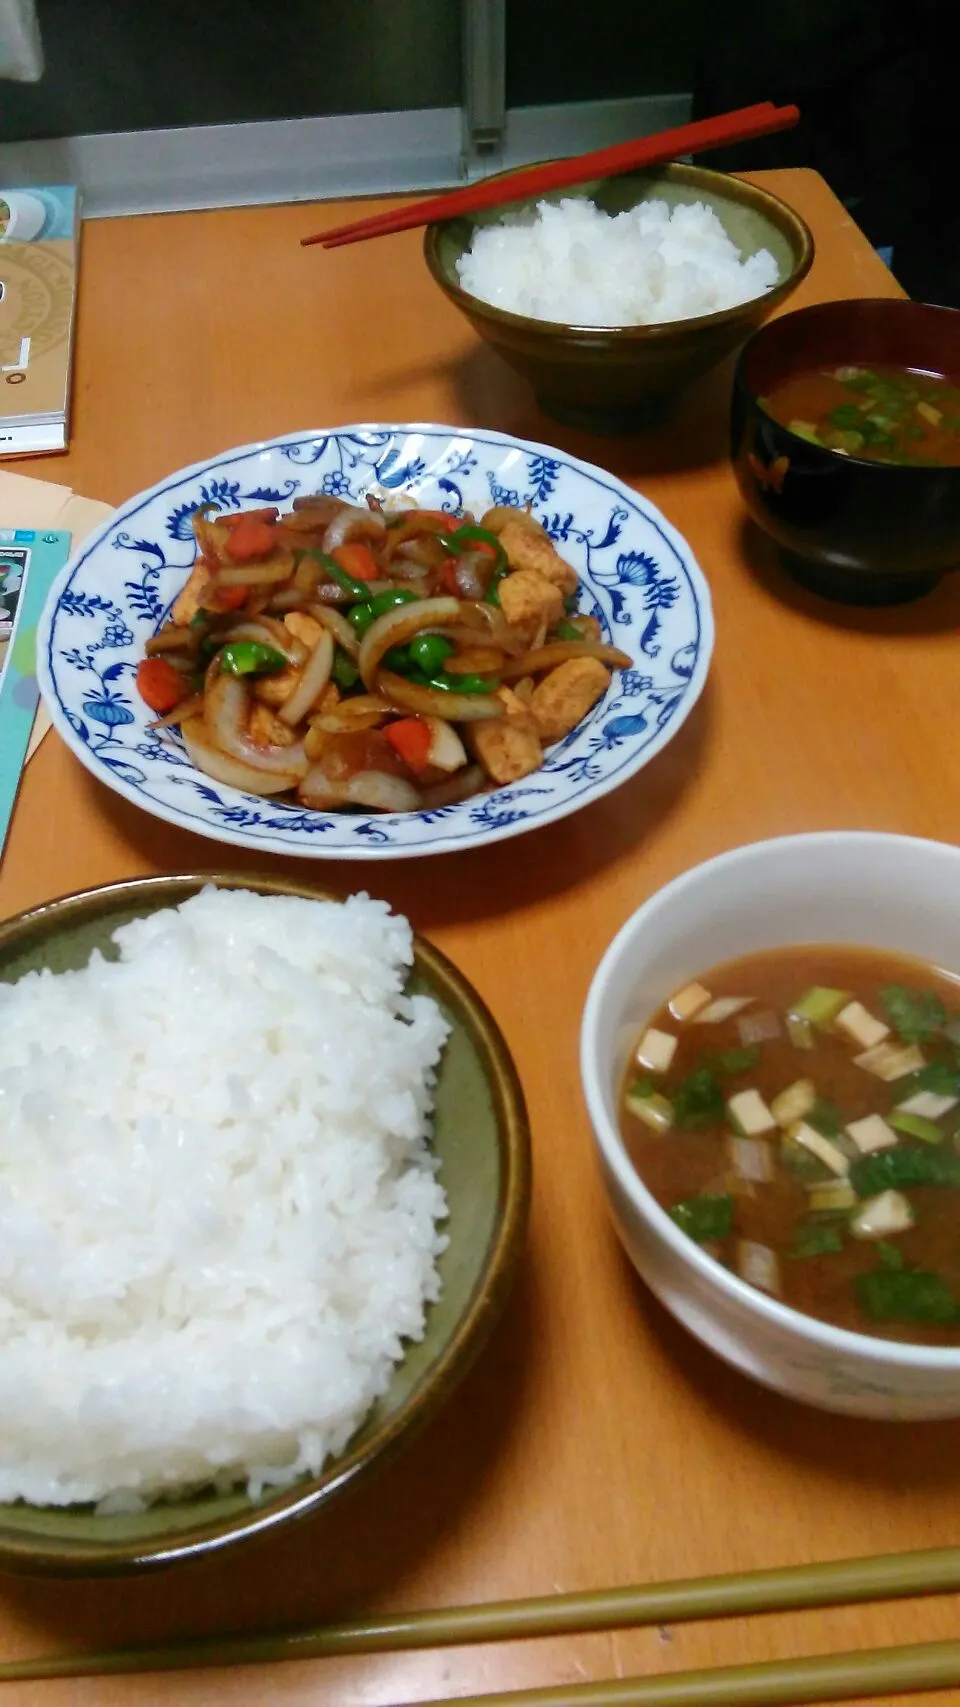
637 576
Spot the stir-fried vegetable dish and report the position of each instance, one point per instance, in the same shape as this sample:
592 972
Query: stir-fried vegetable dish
797 1113
883 414
392 660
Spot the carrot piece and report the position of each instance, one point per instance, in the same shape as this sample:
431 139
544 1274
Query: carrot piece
357 560
159 685
411 739
250 539
225 598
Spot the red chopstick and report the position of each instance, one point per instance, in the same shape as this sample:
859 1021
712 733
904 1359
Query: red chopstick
721 131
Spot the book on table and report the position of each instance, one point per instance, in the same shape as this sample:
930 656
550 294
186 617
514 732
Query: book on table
39 252
30 560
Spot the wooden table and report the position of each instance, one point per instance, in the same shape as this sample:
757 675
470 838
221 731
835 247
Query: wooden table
595 1443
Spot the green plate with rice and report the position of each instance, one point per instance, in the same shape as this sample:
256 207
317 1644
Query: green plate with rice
480 1138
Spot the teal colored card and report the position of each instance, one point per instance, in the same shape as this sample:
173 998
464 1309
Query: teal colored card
30 559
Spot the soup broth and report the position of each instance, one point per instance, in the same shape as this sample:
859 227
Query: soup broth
883 414
797 1113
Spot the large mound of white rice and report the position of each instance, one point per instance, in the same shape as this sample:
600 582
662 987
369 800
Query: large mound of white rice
569 261
218 1211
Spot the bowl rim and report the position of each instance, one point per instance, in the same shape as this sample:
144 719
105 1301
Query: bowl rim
818 1335
59 1556
780 214
895 470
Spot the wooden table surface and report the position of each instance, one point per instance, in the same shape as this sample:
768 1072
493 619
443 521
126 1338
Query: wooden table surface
595 1443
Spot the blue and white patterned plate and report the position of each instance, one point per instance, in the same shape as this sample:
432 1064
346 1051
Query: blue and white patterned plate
638 577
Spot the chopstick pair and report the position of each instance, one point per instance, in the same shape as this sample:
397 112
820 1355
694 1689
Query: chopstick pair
931 1665
743 125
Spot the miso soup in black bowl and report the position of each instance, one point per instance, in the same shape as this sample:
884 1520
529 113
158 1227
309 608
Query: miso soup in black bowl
845 439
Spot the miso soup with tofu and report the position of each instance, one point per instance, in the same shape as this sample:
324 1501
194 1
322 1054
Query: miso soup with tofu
797 1113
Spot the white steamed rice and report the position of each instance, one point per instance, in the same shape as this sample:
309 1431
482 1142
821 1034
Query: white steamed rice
569 261
218 1211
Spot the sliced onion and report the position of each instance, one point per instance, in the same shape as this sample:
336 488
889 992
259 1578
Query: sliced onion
435 702
266 631
225 711
397 626
459 787
353 523
233 772
279 566
313 679
473 572
187 708
363 712
343 632
365 788
503 637
558 651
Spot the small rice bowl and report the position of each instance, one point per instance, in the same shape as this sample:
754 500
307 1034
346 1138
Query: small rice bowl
220 1216
571 263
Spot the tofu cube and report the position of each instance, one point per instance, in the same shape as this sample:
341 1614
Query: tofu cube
861 1026
723 1008
829 1154
750 1114
525 596
871 1133
880 1216
928 1104
656 1050
564 697
890 1061
688 1001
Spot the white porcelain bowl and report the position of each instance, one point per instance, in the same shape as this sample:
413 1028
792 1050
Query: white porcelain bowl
844 887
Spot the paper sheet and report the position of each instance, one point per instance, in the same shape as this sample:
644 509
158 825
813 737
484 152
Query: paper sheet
28 503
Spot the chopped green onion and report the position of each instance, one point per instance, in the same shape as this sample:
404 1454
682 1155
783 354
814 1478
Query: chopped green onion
250 658
698 1100
641 1088
704 1218
936 1076
823 1117
650 1107
889 1255
820 1005
816 1239
905 1295
915 1015
800 1032
915 1126
904 1167
734 1060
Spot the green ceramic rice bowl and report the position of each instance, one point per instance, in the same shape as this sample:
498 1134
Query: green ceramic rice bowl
482 1140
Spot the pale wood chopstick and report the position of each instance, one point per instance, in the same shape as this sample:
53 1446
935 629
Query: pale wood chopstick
786 1588
771 1683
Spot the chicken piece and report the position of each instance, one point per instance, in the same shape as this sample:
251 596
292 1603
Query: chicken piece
303 627
266 729
528 547
525 597
566 695
508 747
275 690
191 596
